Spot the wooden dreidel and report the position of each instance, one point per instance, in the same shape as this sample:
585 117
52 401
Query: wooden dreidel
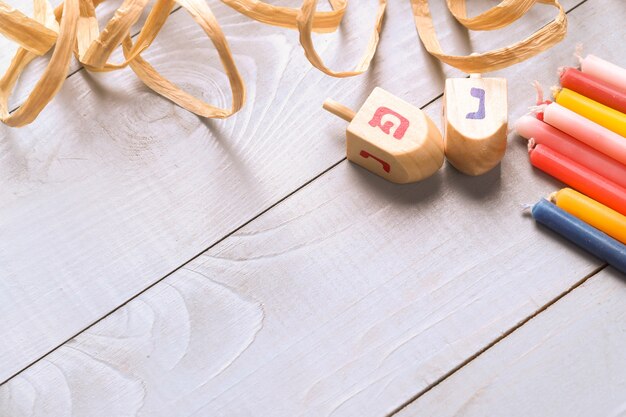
475 123
391 138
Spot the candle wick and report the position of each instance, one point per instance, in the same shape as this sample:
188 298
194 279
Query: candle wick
552 197
531 144
526 209
539 91
534 110
578 52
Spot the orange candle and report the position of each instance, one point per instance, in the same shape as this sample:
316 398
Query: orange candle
578 177
591 212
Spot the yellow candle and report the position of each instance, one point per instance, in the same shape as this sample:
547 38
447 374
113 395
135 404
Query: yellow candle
591 212
599 113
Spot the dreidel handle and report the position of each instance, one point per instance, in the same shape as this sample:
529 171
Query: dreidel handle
339 109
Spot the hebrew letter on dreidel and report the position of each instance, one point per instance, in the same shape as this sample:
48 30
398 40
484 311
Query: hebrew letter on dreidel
475 142
403 122
479 93
385 165
370 143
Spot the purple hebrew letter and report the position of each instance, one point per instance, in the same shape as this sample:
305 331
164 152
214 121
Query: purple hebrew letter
479 93
403 122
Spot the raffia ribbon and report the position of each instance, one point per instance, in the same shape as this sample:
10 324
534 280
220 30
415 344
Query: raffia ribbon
72 28
499 16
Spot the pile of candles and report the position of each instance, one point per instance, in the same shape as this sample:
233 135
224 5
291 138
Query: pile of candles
580 139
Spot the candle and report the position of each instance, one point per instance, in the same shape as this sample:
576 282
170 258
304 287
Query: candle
604 70
594 135
544 134
592 110
594 88
578 177
591 212
580 233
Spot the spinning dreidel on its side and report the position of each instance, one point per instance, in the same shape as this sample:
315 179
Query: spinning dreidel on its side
391 138
475 123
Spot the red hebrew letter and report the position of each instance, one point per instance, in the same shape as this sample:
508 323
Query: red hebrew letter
403 122
385 165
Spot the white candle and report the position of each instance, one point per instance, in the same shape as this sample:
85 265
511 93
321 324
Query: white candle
586 131
606 71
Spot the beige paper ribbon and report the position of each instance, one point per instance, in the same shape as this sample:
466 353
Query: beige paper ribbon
30 34
305 20
79 34
497 17
286 17
54 74
201 13
72 28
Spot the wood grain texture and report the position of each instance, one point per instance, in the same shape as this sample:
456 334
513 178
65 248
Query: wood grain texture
113 187
346 299
569 361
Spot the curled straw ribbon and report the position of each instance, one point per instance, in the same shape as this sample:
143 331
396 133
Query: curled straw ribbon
72 28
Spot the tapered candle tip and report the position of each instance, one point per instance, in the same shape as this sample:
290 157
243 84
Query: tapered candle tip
555 90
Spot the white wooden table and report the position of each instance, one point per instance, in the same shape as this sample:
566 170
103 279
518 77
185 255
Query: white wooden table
156 264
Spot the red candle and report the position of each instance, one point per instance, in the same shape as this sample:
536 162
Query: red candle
594 88
544 134
577 176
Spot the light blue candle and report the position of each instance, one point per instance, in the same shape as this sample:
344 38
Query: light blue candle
580 233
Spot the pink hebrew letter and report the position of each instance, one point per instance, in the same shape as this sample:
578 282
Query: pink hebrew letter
403 122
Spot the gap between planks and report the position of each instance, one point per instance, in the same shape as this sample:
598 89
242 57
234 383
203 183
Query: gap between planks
262 212
506 333
497 340
218 241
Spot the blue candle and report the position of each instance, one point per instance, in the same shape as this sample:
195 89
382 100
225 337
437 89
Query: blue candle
576 231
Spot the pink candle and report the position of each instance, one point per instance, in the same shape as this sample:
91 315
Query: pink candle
583 129
606 71
544 134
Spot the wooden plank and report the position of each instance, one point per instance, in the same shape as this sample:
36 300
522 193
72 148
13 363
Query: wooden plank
347 298
113 187
569 361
